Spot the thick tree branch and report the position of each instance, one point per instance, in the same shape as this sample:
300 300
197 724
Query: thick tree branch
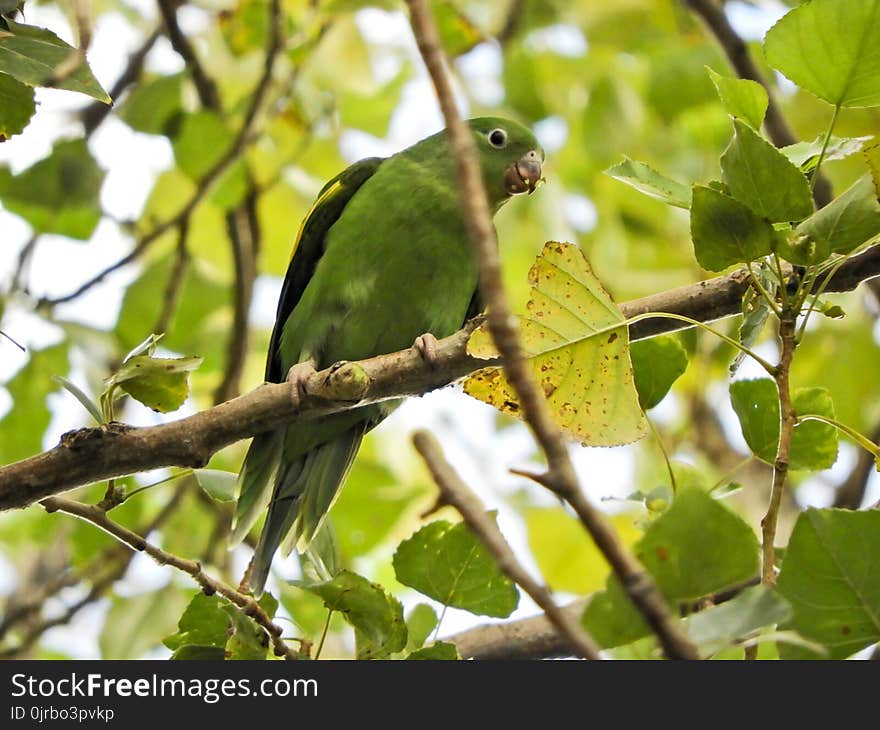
712 14
99 518
454 492
91 455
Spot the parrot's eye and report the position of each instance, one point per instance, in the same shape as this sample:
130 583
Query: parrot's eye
498 138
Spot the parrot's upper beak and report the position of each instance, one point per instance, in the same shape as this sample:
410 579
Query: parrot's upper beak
524 174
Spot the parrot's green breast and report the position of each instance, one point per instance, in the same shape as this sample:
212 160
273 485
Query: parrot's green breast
397 264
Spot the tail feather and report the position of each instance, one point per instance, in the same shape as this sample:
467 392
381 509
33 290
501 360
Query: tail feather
304 492
254 482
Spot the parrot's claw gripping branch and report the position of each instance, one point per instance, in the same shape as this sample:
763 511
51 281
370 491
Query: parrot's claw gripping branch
298 376
426 346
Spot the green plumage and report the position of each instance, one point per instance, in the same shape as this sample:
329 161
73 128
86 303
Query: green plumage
383 257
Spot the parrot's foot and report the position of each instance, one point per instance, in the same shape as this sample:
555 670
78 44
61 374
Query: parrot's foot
298 376
426 346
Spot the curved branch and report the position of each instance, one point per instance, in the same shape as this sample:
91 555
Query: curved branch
91 455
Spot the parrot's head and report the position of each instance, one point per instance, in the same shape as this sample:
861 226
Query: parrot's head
510 157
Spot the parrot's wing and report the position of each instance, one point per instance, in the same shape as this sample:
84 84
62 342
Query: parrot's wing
309 247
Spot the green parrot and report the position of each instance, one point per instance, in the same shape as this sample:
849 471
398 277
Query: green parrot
382 262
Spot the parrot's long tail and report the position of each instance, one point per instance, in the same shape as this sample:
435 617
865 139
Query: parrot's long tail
305 489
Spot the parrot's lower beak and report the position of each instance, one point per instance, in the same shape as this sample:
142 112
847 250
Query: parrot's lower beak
524 174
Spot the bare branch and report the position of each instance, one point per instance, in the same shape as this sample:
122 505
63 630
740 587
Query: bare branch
636 582
209 96
455 492
246 603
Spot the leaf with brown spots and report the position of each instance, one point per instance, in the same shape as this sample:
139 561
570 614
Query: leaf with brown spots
577 344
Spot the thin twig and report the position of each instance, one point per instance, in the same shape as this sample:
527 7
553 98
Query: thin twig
209 96
176 279
210 585
781 463
101 573
238 145
243 234
712 14
561 477
455 492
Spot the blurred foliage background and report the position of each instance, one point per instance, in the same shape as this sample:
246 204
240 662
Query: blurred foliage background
85 187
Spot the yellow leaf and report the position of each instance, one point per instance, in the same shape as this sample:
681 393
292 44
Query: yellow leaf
577 345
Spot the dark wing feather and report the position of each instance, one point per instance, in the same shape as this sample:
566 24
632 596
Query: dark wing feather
309 247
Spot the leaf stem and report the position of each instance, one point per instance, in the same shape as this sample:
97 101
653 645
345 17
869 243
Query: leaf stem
856 436
663 451
769 298
815 175
324 633
771 369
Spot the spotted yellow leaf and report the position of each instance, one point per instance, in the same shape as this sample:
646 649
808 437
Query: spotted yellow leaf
577 344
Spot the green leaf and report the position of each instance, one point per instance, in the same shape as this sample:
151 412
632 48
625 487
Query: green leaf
756 403
831 48
566 555
203 623
59 194
728 623
16 106
201 141
829 576
760 176
806 154
151 106
657 363
22 428
439 650
32 55
695 548
218 484
249 640
813 444
137 624
369 507
420 622
160 383
448 563
577 345
376 616
742 98
847 221
726 232
650 182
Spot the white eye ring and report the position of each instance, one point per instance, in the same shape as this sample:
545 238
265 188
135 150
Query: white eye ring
497 138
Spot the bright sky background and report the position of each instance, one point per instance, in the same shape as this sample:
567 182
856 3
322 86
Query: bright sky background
133 160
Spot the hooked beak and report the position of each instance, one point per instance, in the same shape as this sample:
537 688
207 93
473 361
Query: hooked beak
524 174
